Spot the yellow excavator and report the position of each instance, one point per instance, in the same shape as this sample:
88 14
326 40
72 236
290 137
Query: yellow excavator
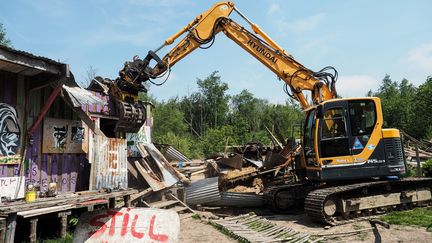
349 166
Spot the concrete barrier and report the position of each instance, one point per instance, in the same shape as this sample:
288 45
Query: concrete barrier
128 225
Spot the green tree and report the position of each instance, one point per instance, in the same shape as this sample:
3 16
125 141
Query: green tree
215 100
397 100
4 41
284 119
421 116
168 118
215 139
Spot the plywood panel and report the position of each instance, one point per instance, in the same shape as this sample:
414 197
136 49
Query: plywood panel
64 136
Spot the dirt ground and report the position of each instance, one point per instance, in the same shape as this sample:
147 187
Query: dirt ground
194 230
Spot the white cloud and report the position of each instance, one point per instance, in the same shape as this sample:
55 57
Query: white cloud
301 25
274 8
356 85
421 57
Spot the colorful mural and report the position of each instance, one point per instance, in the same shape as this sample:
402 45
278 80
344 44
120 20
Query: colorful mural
9 135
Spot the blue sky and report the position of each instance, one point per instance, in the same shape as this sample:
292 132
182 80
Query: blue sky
363 40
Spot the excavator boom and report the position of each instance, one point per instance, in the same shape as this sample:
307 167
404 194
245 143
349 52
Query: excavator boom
201 32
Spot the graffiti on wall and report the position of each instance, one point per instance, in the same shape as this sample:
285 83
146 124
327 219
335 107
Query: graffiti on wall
78 134
60 136
9 134
64 136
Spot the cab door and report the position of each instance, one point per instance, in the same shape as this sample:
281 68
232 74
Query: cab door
362 116
334 130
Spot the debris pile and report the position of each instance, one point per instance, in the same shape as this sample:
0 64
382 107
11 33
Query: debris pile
424 148
236 178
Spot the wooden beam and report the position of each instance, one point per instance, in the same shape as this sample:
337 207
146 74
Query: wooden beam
45 109
33 230
87 120
63 223
10 227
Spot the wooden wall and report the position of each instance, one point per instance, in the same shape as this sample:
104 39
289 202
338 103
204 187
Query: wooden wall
70 171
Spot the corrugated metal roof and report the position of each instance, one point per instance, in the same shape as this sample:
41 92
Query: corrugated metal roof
79 96
28 54
27 64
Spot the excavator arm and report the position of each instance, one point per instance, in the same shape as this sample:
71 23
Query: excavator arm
201 32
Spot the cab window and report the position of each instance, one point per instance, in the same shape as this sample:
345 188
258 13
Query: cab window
334 138
334 124
362 117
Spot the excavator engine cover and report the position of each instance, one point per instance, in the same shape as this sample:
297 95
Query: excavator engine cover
131 116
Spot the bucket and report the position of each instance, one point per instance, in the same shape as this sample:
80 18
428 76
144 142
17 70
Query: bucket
30 196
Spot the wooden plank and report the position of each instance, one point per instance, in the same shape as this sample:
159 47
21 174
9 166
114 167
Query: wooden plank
81 183
44 173
10 227
140 194
34 169
33 230
46 210
64 173
54 170
163 204
3 170
74 163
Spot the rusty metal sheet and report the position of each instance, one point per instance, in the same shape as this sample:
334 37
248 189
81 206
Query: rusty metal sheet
235 162
109 162
273 159
128 225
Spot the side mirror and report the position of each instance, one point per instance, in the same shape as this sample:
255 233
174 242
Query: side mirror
319 112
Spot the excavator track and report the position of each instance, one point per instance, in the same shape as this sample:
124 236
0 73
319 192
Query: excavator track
348 203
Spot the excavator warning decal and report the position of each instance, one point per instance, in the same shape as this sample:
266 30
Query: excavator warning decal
357 144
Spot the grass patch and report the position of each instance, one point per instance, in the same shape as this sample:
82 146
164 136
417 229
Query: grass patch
417 217
228 233
196 216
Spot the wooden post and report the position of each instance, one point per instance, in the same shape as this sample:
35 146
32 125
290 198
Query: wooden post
10 227
2 229
63 222
127 201
419 170
33 227
111 202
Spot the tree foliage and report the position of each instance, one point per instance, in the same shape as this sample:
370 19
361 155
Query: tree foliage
209 119
4 41
407 107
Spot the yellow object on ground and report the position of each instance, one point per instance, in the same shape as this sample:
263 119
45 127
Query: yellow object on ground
30 196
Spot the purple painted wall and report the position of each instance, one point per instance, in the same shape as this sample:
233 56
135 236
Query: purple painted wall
69 171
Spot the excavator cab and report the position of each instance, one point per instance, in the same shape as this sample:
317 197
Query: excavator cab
344 139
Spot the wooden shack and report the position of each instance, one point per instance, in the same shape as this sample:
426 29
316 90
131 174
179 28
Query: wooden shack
48 137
